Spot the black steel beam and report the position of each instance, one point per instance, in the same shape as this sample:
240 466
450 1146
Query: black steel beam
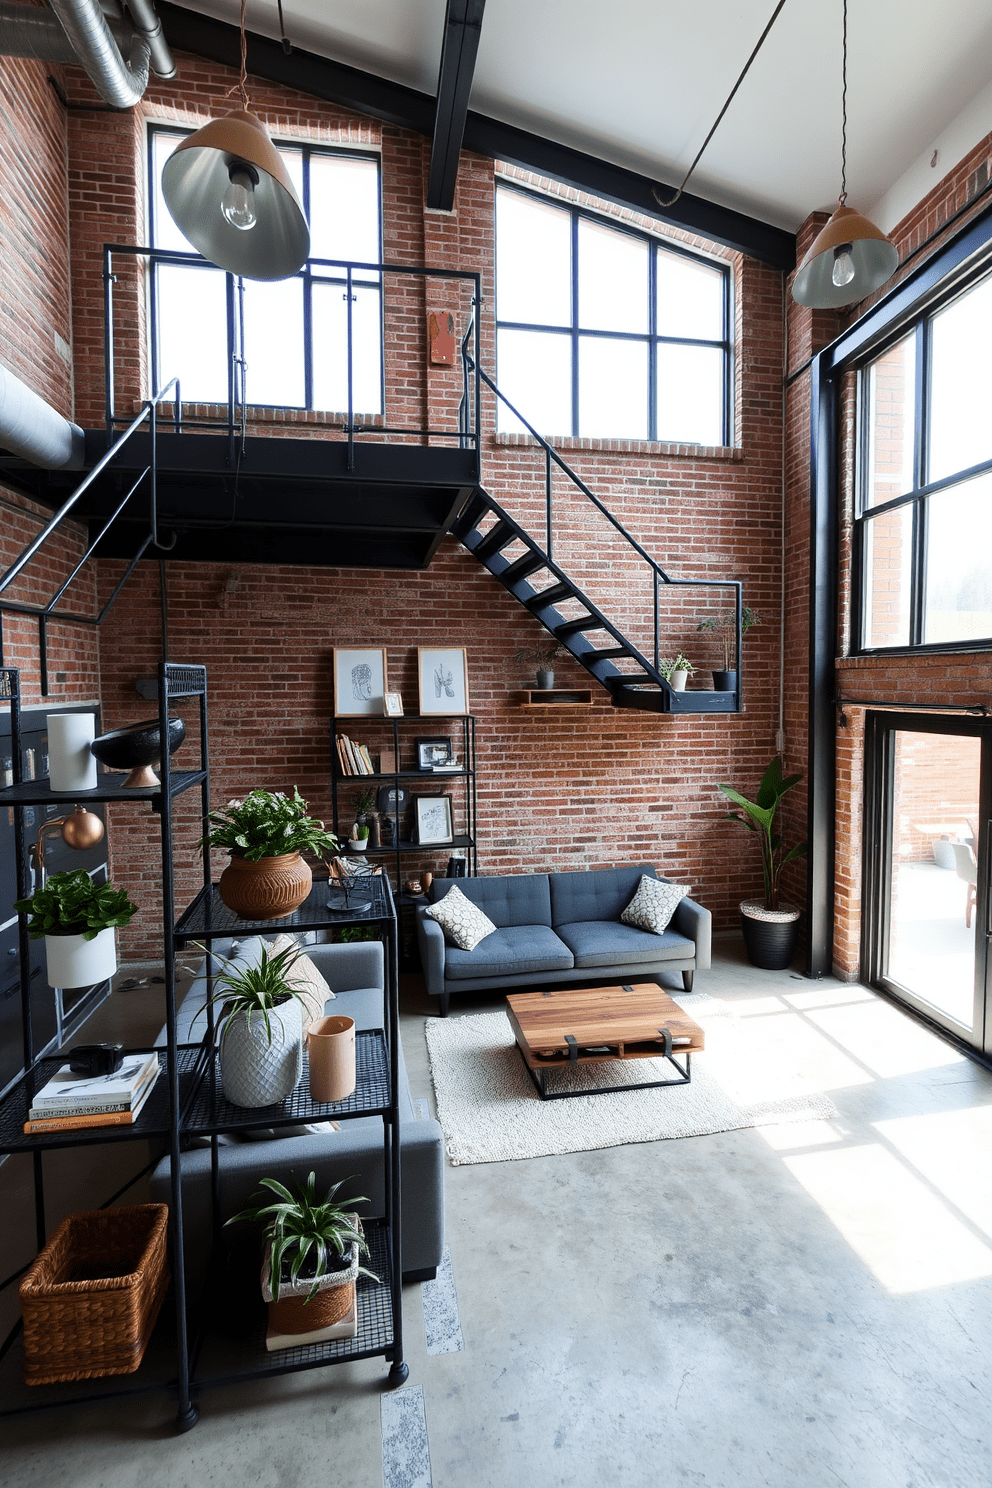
822 745
462 30
349 87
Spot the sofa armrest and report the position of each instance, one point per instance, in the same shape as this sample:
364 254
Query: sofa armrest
430 938
695 922
346 967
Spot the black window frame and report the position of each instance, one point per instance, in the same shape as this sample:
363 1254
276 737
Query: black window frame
576 332
920 326
308 149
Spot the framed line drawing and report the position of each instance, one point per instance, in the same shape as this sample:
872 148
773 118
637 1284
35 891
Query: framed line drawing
433 819
431 752
359 682
442 677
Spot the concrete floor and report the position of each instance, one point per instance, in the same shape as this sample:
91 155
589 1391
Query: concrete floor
804 1304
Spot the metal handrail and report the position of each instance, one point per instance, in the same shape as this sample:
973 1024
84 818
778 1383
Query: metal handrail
44 613
659 576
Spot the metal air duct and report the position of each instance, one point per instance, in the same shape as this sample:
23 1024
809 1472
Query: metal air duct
83 35
31 428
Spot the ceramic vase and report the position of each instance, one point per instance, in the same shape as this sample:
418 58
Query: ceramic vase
255 1071
267 890
331 1056
75 962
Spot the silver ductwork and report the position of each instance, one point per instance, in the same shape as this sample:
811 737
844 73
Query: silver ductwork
31 428
82 34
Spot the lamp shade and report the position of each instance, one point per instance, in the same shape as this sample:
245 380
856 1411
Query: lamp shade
872 257
196 178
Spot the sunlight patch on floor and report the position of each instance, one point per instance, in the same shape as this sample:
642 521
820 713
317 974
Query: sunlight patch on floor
884 1039
950 1149
801 1134
891 1219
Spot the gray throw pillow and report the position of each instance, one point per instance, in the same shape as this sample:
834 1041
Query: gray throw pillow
463 922
653 904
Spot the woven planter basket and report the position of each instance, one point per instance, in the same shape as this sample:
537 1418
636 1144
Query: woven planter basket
91 1298
335 1299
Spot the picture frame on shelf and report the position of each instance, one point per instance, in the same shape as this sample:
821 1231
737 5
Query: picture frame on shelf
432 820
442 679
431 752
359 681
392 704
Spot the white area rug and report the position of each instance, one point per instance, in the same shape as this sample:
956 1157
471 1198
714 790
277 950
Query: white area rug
490 1111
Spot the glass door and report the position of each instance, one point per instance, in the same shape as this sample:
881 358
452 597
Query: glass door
927 838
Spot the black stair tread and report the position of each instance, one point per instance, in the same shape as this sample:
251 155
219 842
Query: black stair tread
496 538
576 627
607 654
520 568
551 596
471 516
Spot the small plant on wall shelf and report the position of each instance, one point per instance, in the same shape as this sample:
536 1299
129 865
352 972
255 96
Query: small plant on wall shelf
676 670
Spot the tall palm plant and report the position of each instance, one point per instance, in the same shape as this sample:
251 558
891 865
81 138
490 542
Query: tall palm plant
759 816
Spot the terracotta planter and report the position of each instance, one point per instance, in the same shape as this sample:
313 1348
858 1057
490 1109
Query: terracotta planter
331 1053
267 890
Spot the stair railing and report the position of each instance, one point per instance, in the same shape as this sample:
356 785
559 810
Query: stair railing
553 460
45 613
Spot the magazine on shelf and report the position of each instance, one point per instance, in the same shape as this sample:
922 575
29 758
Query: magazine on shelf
97 1092
60 1121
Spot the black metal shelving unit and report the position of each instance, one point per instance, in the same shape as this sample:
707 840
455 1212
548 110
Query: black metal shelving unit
189 1351
402 732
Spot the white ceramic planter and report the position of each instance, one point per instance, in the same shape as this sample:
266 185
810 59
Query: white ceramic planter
71 766
75 962
255 1072
357 844
678 680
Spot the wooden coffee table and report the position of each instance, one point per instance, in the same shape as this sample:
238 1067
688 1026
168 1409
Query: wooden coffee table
557 1030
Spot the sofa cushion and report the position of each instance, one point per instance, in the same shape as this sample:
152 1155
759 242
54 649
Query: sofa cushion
608 943
464 923
305 978
511 951
600 894
517 899
653 905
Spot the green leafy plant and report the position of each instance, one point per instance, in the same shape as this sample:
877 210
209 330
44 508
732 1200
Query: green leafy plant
759 816
266 824
253 990
680 663
724 627
359 832
301 1225
351 933
366 801
72 904
543 655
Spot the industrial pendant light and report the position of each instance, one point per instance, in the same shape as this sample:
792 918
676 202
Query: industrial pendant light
229 191
850 257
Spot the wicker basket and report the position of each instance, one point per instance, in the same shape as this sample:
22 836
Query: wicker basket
91 1298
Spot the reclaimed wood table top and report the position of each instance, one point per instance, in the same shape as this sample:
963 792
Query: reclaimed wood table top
623 1021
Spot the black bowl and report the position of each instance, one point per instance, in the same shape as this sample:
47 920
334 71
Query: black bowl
137 747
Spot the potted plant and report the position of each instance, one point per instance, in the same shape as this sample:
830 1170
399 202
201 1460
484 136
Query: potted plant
312 1255
265 835
724 627
77 918
770 927
260 1029
544 656
359 839
676 671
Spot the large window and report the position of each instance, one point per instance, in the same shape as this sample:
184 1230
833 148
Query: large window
605 333
924 521
295 330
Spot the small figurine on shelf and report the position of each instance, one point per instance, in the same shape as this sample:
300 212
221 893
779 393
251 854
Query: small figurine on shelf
426 878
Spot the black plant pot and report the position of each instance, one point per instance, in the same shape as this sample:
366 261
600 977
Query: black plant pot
770 944
725 681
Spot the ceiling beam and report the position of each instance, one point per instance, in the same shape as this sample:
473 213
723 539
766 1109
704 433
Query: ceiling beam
462 30
394 103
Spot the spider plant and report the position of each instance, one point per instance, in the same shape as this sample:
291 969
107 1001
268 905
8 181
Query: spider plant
300 1225
253 991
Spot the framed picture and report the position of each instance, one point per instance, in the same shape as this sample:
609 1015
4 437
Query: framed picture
392 705
431 752
442 675
359 682
433 819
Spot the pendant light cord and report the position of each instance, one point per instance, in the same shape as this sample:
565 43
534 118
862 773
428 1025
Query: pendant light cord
843 117
670 202
241 86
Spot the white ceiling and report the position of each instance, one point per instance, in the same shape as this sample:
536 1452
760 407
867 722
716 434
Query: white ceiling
639 83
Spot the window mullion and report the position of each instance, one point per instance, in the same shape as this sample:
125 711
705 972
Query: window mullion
920 468
575 323
653 342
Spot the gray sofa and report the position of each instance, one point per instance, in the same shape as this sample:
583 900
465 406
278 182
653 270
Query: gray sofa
355 974
559 927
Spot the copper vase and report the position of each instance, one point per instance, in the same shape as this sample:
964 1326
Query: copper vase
331 1055
269 889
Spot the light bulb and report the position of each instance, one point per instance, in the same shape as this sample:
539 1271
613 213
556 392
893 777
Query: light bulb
238 204
843 270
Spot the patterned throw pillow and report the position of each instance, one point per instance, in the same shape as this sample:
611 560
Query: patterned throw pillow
463 922
306 978
654 904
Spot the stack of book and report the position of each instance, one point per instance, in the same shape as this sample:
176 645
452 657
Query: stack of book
71 1102
354 758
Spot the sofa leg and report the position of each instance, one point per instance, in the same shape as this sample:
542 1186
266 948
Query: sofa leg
687 980
444 1000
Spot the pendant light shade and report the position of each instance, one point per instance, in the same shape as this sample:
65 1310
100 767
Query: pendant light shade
848 259
228 190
